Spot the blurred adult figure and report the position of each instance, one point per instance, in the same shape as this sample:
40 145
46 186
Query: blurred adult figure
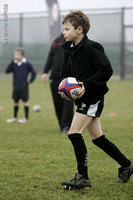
64 109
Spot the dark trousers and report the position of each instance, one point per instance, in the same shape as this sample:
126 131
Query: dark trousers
64 109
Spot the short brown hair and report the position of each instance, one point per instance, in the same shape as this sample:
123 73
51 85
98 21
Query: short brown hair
78 18
21 50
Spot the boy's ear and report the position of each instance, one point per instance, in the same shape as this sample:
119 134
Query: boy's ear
80 29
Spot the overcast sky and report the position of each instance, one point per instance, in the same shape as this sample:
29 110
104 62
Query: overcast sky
16 6
22 6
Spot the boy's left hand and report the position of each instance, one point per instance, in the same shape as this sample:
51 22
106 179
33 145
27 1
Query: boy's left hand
82 91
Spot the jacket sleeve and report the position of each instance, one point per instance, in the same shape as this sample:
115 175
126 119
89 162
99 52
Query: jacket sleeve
33 72
103 68
64 72
9 67
49 61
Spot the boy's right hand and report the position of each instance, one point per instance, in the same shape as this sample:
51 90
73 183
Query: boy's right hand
12 62
82 91
45 77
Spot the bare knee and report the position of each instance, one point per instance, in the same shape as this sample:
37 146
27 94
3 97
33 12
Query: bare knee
26 104
95 136
95 128
16 103
73 130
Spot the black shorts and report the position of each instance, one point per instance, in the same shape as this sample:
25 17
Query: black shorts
20 94
93 110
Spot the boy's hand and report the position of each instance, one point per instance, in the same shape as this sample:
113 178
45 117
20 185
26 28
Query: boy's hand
82 91
12 62
45 77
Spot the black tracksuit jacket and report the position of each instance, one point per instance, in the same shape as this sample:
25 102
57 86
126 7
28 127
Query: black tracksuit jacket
55 58
88 63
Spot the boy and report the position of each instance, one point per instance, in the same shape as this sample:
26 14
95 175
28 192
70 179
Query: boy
20 68
63 108
86 61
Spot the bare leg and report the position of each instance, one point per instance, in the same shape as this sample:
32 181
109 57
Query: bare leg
79 123
95 128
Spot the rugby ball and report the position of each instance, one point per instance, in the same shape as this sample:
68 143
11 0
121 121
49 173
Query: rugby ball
69 88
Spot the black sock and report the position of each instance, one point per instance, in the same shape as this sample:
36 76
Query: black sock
80 152
109 148
15 111
26 109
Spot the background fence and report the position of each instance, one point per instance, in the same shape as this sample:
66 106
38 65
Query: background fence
107 27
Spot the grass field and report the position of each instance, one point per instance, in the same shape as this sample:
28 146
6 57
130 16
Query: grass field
35 158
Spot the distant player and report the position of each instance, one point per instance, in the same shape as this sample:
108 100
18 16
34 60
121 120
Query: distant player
21 69
86 61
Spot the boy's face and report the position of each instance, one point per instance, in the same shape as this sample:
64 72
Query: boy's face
70 33
18 56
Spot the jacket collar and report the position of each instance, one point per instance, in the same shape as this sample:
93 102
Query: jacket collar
70 45
20 62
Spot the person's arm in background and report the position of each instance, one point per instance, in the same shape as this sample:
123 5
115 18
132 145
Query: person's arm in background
33 73
10 67
48 64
